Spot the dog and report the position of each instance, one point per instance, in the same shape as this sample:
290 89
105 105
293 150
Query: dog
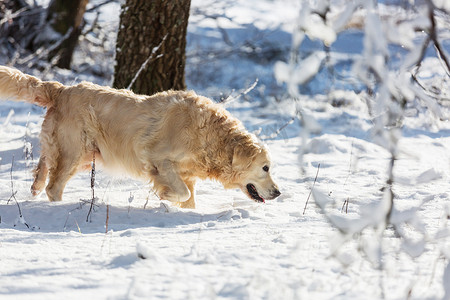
170 139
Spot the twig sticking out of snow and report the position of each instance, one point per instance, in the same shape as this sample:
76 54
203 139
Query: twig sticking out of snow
93 199
144 65
107 218
146 200
130 199
21 219
349 166
345 205
8 118
315 179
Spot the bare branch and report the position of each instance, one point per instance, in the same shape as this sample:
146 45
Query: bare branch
95 7
433 36
44 51
144 65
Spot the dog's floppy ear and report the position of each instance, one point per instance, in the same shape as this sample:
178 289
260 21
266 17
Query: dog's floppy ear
238 163
243 156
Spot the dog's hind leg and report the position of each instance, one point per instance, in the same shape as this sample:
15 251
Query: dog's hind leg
70 150
40 176
65 168
168 183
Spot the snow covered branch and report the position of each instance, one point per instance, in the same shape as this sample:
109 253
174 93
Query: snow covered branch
389 80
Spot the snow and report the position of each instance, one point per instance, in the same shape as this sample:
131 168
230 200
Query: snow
137 247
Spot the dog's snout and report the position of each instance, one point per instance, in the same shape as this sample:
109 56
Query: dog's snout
275 193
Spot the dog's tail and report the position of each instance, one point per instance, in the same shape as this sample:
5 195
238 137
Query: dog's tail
17 86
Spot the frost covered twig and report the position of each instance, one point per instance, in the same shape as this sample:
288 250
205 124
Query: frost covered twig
9 16
276 132
231 98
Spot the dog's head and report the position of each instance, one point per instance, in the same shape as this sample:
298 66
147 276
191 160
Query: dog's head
252 166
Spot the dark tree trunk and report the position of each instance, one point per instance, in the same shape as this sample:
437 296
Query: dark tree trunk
143 25
62 16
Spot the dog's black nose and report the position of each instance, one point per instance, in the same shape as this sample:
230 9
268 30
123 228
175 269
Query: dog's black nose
276 193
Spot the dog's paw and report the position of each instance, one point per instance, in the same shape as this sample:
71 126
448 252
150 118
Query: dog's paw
35 192
187 204
53 197
36 189
170 195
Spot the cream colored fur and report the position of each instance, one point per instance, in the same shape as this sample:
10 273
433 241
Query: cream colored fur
171 138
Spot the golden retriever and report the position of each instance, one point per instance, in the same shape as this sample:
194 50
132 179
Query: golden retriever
170 139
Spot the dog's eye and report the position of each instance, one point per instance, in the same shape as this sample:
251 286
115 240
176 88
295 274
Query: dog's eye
266 168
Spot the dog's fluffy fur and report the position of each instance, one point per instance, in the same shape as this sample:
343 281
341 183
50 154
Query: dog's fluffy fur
170 139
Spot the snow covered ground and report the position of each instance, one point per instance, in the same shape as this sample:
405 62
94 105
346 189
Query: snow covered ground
230 247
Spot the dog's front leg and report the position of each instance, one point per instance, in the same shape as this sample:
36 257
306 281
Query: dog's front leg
168 183
190 203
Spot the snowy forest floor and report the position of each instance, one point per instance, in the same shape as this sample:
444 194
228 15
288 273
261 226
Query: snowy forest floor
230 247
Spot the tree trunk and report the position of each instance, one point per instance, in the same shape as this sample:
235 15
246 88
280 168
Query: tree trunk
63 16
143 25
